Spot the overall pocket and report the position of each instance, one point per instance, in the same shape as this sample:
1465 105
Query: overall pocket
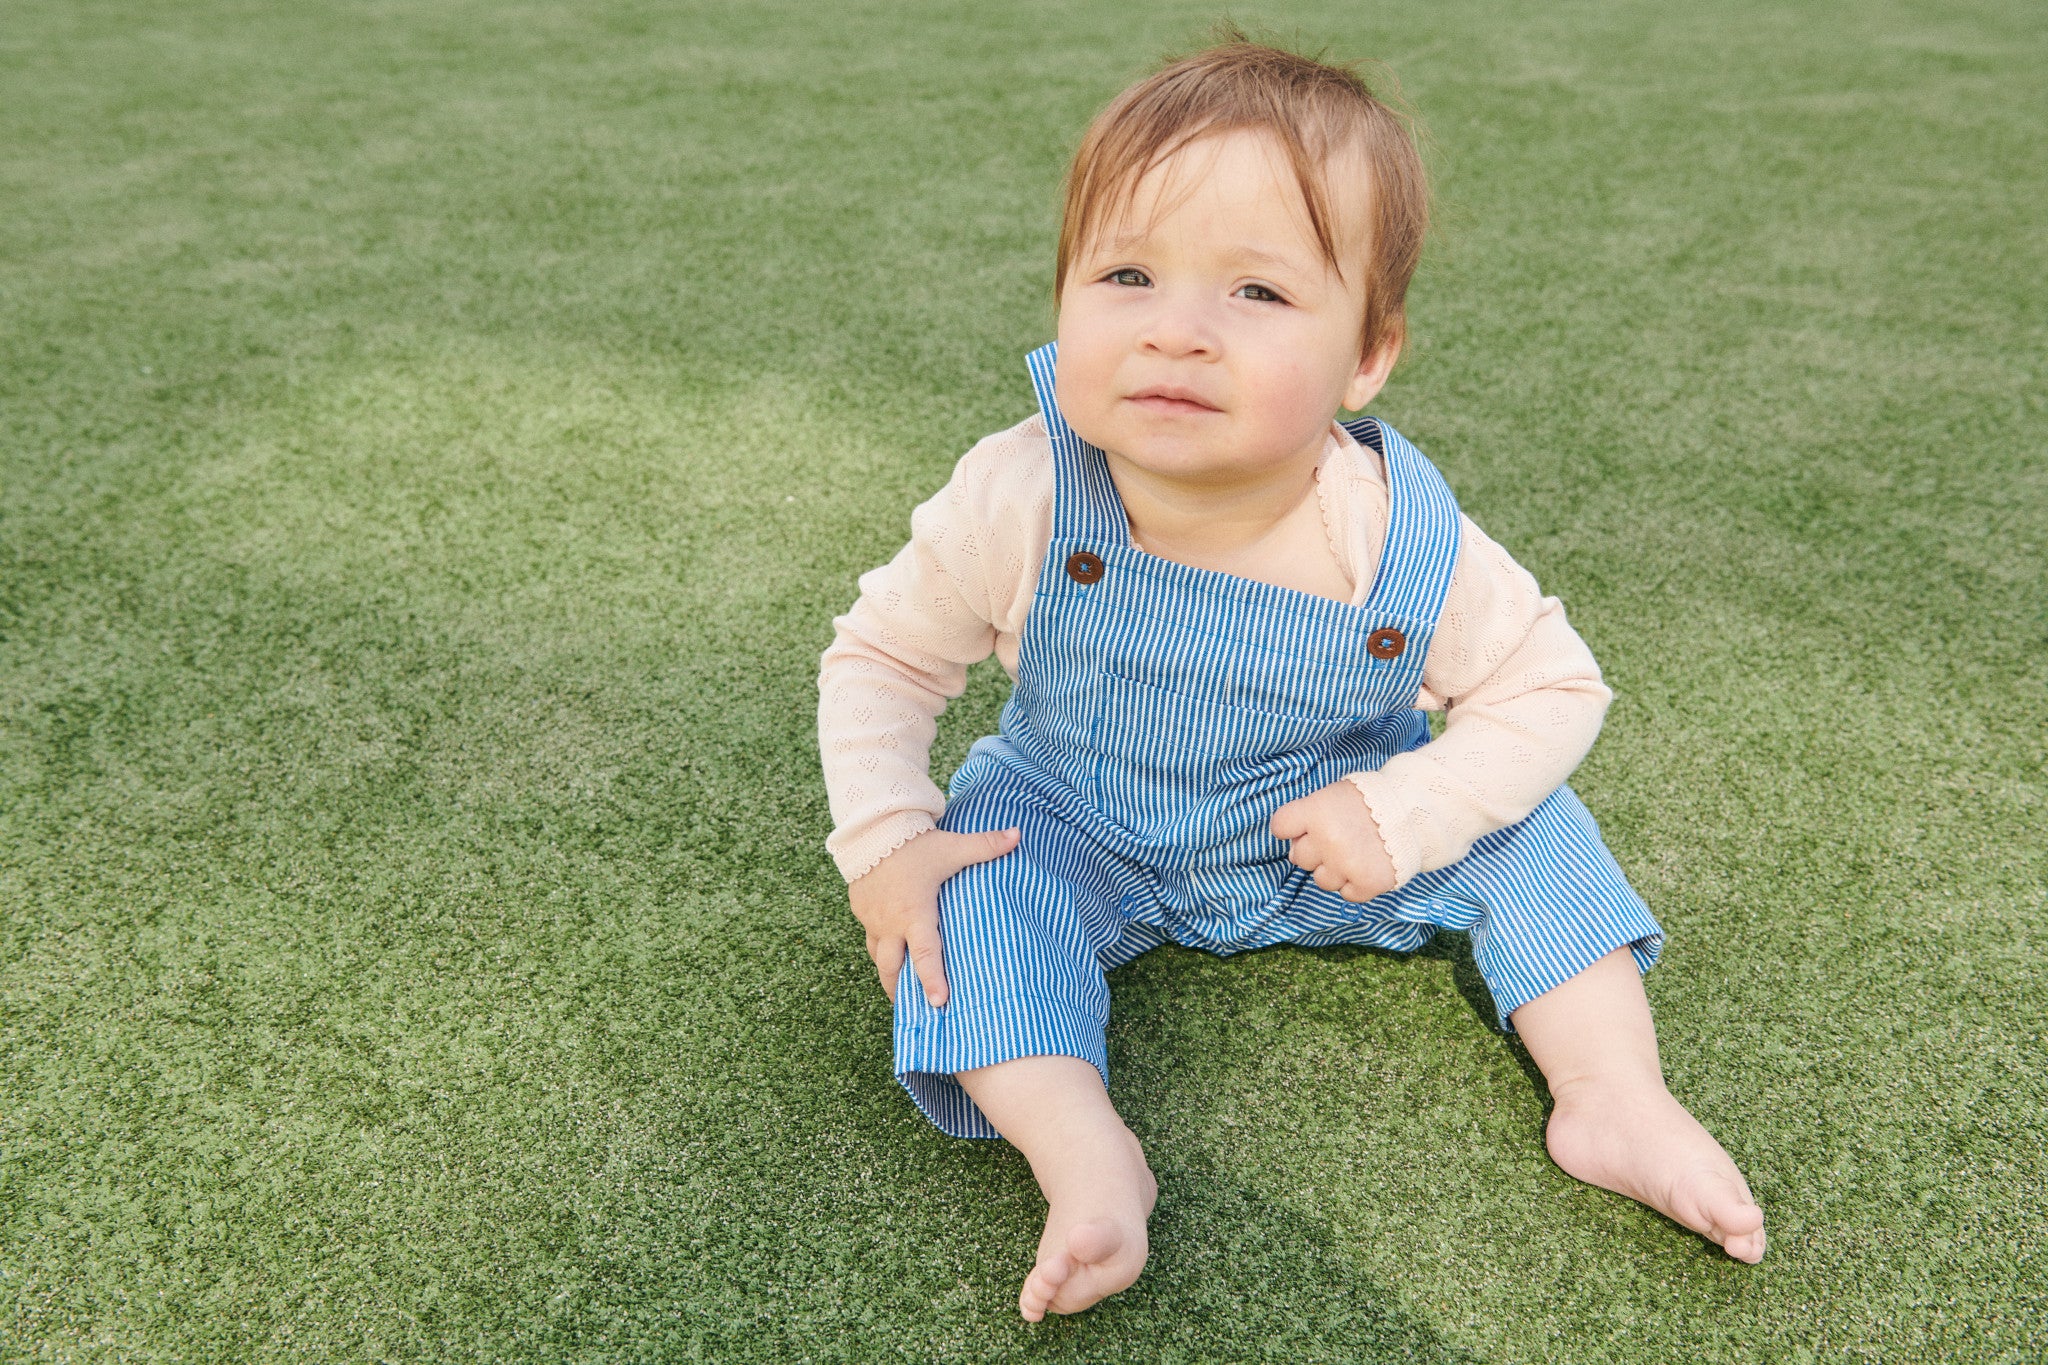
1181 769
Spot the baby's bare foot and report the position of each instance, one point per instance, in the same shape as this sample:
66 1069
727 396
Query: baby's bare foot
1633 1138
1094 1243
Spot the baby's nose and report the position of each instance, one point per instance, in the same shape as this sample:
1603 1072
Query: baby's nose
1177 328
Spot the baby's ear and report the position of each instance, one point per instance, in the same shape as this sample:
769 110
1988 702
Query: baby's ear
1374 367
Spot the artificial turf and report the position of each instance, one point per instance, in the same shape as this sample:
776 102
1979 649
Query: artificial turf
435 439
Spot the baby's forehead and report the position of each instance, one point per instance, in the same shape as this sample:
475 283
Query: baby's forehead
1248 172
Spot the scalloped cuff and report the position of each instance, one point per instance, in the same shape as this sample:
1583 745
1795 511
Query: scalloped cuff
857 855
1402 848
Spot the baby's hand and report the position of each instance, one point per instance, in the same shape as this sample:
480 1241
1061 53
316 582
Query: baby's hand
1332 835
897 901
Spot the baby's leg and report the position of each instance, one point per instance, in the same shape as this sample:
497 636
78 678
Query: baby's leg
1098 1190
1615 1124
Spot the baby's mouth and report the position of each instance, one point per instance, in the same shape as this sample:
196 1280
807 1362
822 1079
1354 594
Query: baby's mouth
1168 399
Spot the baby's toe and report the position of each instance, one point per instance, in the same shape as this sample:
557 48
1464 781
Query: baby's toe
1046 1279
1095 1241
1104 1258
1723 1209
1742 1234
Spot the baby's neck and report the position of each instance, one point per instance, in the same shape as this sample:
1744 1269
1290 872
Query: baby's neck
1271 532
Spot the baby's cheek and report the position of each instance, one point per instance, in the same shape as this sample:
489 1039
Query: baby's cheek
1086 378
1295 406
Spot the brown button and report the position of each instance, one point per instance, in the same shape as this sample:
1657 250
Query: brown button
1385 643
1084 567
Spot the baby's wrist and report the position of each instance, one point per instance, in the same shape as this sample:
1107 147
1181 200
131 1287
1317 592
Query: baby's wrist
1394 835
862 853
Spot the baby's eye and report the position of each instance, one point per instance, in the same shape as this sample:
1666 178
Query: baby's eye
1128 275
1259 293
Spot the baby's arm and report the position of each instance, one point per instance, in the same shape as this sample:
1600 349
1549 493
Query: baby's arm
898 656
1524 702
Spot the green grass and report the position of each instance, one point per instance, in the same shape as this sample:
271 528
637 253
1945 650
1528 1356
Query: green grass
434 439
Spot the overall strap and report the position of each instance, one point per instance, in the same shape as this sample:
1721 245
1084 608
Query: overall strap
1422 528
1085 505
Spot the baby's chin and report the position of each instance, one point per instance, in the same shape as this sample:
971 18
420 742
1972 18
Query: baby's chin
1196 440
1207 468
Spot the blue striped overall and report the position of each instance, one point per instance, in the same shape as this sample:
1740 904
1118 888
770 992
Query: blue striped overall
1161 715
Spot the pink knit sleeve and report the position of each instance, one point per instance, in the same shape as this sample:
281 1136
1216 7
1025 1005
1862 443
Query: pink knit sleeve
1524 701
957 592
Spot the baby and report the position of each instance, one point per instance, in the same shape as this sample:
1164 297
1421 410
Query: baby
1226 614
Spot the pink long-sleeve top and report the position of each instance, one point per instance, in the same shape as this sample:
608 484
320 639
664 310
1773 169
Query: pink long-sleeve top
1522 695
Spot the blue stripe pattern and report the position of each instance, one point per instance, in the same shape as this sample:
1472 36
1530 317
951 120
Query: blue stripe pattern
1161 714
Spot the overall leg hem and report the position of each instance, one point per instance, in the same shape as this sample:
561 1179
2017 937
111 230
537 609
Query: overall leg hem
1515 984
934 1046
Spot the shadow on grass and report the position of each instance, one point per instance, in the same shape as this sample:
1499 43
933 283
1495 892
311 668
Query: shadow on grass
1456 949
1235 1277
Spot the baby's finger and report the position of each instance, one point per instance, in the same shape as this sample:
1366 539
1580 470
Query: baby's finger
1306 854
1288 822
928 958
1328 878
888 956
965 850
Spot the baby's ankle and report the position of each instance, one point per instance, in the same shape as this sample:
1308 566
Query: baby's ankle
1095 1165
1606 1085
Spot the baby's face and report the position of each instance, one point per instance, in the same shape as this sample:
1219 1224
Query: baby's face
1203 337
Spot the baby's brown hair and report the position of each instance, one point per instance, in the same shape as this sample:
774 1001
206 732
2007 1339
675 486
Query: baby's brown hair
1317 111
